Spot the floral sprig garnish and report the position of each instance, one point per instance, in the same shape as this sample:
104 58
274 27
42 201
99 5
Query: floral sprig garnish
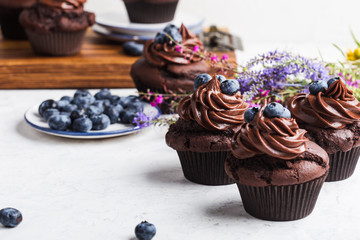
142 120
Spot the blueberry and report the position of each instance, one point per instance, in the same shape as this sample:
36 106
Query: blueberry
113 113
61 104
125 101
160 38
135 106
133 48
68 98
115 99
82 93
45 105
82 124
334 79
84 101
250 114
10 217
94 110
286 113
173 31
100 122
49 112
169 28
103 94
69 108
59 122
220 78
316 87
77 113
274 109
127 116
201 79
230 86
145 231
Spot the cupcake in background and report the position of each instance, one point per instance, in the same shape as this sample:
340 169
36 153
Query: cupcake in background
151 11
202 135
165 66
278 171
56 27
331 116
9 18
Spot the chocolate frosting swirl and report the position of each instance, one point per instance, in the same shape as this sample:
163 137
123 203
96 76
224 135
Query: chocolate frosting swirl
335 108
161 54
278 137
212 109
64 4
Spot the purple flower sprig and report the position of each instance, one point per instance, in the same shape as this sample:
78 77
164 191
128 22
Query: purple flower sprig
143 121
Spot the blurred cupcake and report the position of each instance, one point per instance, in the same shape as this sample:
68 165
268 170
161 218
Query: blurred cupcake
9 17
151 11
167 66
57 27
279 172
202 135
331 115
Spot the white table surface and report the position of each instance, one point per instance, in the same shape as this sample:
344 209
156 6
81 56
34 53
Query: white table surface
100 189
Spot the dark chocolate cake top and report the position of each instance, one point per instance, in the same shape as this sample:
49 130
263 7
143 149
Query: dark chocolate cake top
211 108
334 108
277 137
64 4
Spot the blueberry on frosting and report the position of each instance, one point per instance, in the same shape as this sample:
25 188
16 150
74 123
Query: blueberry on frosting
316 87
275 109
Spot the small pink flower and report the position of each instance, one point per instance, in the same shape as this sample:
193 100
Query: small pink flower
196 48
264 93
253 105
224 57
153 104
214 58
159 99
178 48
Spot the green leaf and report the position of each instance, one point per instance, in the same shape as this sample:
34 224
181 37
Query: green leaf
353 36
342 52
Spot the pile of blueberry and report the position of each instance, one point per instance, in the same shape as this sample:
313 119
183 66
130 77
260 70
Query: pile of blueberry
228 86
271 110
322 86
84 112
145 231
171 30
10 217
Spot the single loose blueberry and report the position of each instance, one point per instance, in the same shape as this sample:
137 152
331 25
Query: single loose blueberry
201 79
69 108
220 78
10 217
94 110
45 105
82 124
84 101
61 104
103 94
230 86
113 113
250 114
316 87
334 79
78 113
286 113
82 93
49 112
133 48
59 122
127 116
100 122
274 109
145 231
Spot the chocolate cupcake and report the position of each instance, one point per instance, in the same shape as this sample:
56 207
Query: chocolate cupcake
151 11
9 18
202 135
332 119
57 27
164 67
278 171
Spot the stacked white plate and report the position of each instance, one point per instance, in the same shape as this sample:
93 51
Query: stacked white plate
117 26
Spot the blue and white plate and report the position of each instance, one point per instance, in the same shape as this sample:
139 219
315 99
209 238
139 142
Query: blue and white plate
33 118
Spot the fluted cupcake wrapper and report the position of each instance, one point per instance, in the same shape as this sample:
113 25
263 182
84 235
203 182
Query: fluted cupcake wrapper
281 203
343 164
56 43
147 12
205 168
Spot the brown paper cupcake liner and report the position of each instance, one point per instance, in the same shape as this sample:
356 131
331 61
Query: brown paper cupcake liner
56 43
10 26
342 164
281 203
205 168
147 12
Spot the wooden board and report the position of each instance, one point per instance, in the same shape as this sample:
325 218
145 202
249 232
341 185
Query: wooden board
101 63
